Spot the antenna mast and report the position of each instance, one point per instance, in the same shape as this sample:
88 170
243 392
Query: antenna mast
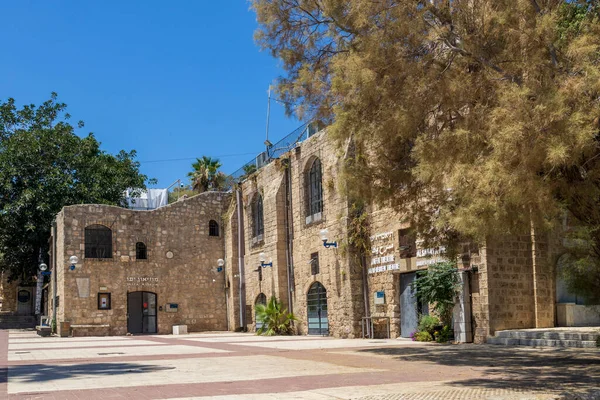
267 143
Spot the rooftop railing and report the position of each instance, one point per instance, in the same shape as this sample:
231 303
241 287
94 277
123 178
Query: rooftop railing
272 152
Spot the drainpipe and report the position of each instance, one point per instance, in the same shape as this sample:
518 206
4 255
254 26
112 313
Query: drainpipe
242 293
289 235
54 273
363 262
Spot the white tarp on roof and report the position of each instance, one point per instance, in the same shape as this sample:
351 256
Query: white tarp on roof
149 199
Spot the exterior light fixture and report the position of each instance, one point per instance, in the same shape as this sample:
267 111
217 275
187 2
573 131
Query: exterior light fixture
262 259
324 233
43 267
220 264
73 260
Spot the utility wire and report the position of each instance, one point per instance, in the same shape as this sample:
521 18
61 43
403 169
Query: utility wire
194 158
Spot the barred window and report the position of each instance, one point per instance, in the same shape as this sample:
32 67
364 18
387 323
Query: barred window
213 228
141 252
407 243
98 242
315 189
257 216
314 263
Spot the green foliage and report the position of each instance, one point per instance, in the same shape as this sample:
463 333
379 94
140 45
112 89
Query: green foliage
275 319
206 175
429 323
577 266
249 169
443 335
178 193
438 286
470 117
423 336
45 166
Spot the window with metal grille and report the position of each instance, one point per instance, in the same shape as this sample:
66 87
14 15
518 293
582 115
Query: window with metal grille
98 242
407 243
141 253
257 216
315 189
314 263
213 228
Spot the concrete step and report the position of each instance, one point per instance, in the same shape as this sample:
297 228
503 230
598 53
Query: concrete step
542 342
548 335
17 322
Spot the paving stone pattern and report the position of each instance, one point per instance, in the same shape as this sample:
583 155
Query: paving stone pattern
228 366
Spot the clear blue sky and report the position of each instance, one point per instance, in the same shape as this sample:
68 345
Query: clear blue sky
170 79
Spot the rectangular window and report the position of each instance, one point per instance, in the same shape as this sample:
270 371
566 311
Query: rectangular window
103 301
314 263
407 243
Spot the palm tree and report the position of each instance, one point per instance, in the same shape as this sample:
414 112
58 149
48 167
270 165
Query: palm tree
206 175
274 318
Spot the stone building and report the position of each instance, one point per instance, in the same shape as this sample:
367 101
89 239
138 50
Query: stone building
281 231
506 283
140 271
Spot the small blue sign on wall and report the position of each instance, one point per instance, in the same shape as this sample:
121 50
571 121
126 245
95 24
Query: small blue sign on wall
380 297
46 273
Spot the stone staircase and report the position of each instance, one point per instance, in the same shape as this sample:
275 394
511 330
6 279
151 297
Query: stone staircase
551 337
8 321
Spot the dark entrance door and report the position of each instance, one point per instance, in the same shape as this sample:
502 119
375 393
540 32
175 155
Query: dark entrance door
141 312
318 324
410 309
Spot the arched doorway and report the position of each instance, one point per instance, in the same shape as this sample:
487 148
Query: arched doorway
141 312
260 299
316 303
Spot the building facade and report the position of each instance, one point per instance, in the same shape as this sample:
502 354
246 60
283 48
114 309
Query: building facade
146 271
139 271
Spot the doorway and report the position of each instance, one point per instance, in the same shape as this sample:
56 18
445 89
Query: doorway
410 307
316 302
141 312
260 299
24 301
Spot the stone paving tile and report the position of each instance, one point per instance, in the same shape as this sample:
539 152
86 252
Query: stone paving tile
244 366
69 345
63 354
28 378
335 344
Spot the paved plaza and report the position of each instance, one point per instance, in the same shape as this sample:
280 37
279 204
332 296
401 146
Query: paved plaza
229 366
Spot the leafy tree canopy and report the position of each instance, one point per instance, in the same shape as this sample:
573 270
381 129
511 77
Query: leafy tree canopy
477 117
45 166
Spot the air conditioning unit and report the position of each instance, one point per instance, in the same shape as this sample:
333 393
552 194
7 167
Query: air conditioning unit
262 159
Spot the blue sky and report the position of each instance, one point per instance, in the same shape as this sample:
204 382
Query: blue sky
170 79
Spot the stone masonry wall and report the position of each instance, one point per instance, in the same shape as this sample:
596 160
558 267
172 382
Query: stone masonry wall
341 280
189 278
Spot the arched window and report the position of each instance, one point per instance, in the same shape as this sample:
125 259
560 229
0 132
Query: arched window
213 228
98 242
315 189
316 305
141 253
257 217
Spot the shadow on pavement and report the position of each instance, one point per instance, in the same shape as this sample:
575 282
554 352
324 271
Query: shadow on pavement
509 367
45 373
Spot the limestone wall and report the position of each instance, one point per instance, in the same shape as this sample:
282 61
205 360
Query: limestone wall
180 267
519 283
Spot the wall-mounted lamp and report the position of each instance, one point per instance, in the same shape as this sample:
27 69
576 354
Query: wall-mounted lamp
220 264
43 267
259 270
73 260
262 259
324 233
